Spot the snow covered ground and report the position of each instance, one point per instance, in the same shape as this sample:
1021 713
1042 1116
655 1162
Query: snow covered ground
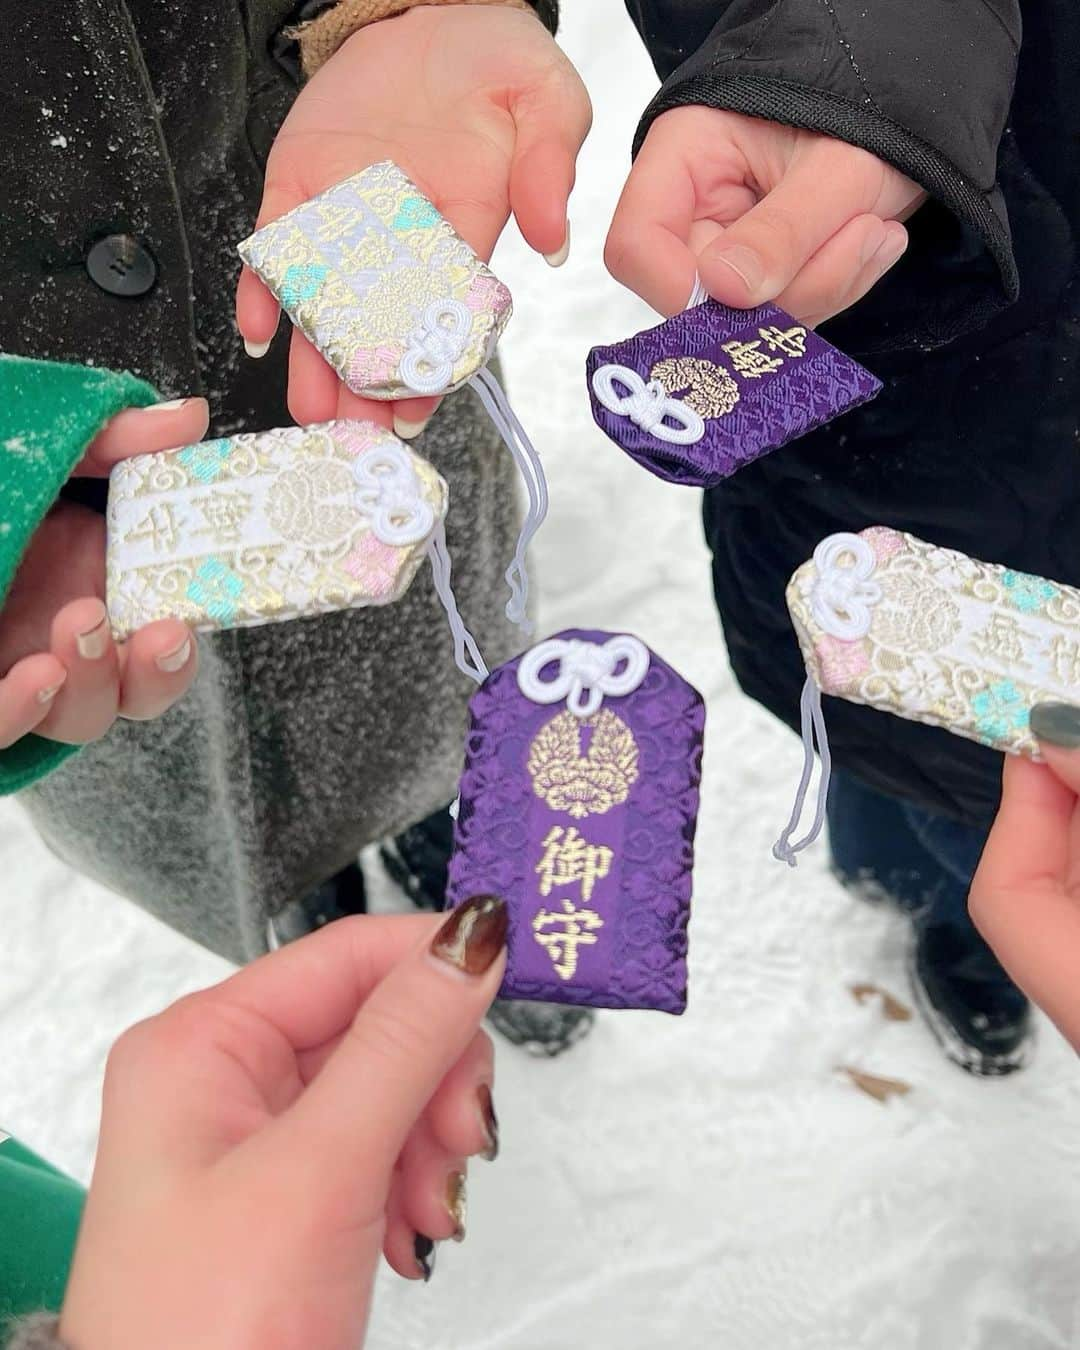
705 1182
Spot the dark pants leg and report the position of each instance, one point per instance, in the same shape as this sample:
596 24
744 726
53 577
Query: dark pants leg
924 863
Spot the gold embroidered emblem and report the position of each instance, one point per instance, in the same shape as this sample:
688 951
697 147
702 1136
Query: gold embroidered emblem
710 390
586 784
915 617
301 507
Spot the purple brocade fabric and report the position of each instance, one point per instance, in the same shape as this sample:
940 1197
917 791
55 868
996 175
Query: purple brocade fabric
585 826
755 377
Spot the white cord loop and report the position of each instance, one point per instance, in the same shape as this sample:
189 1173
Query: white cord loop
843 595
464 642
648 405
698 295
813 726
583 666
436 346
498 408
389 492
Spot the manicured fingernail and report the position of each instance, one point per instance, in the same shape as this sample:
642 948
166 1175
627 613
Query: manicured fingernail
94 643
490 1122
745 263
424 1250
1056 724
171 406
473 935
177 659
408 431
256 349
560 255
50 691
455 1203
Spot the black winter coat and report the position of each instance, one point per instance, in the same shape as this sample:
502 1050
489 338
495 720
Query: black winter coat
975 443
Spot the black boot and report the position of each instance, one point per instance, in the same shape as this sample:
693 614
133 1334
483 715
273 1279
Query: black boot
981 1019
884 849
343 894
417 861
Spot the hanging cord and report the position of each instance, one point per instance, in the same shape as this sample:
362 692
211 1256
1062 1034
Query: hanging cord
698 295
498 408
464 642
433 347
813 727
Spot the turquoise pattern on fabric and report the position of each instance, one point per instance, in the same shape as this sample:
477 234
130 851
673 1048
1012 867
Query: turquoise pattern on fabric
207 459
1026 592
415 213
216 588
999 711
302 282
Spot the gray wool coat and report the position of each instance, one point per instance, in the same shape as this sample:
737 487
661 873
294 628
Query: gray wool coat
300 743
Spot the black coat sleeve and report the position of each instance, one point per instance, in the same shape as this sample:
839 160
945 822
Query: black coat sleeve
923 84
548 12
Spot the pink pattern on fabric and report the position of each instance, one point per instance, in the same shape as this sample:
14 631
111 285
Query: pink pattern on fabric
841 663
375 565
355 437
487 295
368 369
886 543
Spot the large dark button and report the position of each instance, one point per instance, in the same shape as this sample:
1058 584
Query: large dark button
121 265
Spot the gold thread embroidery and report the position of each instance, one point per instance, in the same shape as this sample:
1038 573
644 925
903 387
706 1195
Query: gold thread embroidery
711 391
583 784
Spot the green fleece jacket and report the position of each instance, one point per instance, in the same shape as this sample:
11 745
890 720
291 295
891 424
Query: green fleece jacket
49 414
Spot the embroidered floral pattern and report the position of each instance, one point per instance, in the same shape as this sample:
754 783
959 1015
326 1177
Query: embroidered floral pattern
216 588
1029 594
257 528
1000 711
207 459
954 642
356 268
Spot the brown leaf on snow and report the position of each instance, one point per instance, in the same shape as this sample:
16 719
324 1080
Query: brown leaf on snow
881 1089
894 1010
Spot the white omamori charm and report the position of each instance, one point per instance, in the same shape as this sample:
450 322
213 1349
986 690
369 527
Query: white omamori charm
435 346
586 673
647 405
843 595
389 493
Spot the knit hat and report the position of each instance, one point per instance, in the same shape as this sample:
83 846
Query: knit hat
49 414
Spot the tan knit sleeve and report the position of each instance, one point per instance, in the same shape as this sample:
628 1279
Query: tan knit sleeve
321 38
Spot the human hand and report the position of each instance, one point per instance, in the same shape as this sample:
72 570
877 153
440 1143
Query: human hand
478 105
760 211
61 674
1025 898
263 1140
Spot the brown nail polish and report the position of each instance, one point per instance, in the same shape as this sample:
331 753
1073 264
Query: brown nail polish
455 1203
424 1252
473 935
490 1122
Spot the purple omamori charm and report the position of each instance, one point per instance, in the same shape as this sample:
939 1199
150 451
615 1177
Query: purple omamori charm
714 388
578 806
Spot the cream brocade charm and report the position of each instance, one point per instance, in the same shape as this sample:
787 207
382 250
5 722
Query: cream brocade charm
362 267
934 636
269 526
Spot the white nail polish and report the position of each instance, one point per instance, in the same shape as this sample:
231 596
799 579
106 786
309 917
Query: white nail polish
93 645
171 662
408 431
50 691
171 406
256 349
557 258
